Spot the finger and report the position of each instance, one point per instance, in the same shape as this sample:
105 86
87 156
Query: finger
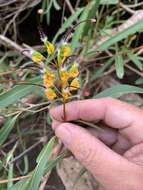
113 112
55 124
122 144
108 136
107 166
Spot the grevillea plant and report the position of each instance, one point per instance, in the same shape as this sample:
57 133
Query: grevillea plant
59 68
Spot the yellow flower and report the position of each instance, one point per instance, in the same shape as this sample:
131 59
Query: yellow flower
50 93
50 47
66 93
48 78
75 84
37 57
64 75
73 71
64 52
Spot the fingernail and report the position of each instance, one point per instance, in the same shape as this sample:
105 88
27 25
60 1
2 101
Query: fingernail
64 133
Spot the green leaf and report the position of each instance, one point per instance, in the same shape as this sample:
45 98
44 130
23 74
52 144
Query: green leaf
24 184
1 165
52 163
10 176
119 90
119 36
119 65
90 27
68 23
21 185
56 5
85 15
40 168
139 81
109 2
135 59
6 129
34 3
17 92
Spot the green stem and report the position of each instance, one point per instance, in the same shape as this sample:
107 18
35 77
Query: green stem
92 125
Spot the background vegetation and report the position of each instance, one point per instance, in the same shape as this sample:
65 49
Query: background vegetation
111 64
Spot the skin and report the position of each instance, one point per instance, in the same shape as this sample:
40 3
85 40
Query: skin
113 155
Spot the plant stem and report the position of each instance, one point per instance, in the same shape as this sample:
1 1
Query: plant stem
64 109
14 179
88 124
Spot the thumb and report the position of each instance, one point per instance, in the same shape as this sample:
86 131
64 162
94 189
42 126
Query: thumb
107 166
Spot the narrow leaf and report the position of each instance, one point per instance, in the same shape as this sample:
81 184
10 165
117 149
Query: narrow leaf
135 59
119 64
119 36
40 168
56 5
68 23
119 90
109 2
6 129
17 92
80 29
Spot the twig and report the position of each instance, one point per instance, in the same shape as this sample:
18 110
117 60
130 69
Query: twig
135 5
88 124
125 64
15 179
127 8
11 44
8 3
26 151
136 17
134 70
15 16
111 70
9 72
44 181
70 6
77 3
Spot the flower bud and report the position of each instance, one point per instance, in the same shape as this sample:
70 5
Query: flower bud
75 84
50 93
37 57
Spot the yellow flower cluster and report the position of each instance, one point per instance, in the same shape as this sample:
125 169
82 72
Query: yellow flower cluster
61 80
60 76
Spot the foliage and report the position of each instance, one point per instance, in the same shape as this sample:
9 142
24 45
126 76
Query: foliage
109 48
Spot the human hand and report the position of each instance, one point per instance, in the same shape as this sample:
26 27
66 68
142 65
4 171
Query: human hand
115 156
